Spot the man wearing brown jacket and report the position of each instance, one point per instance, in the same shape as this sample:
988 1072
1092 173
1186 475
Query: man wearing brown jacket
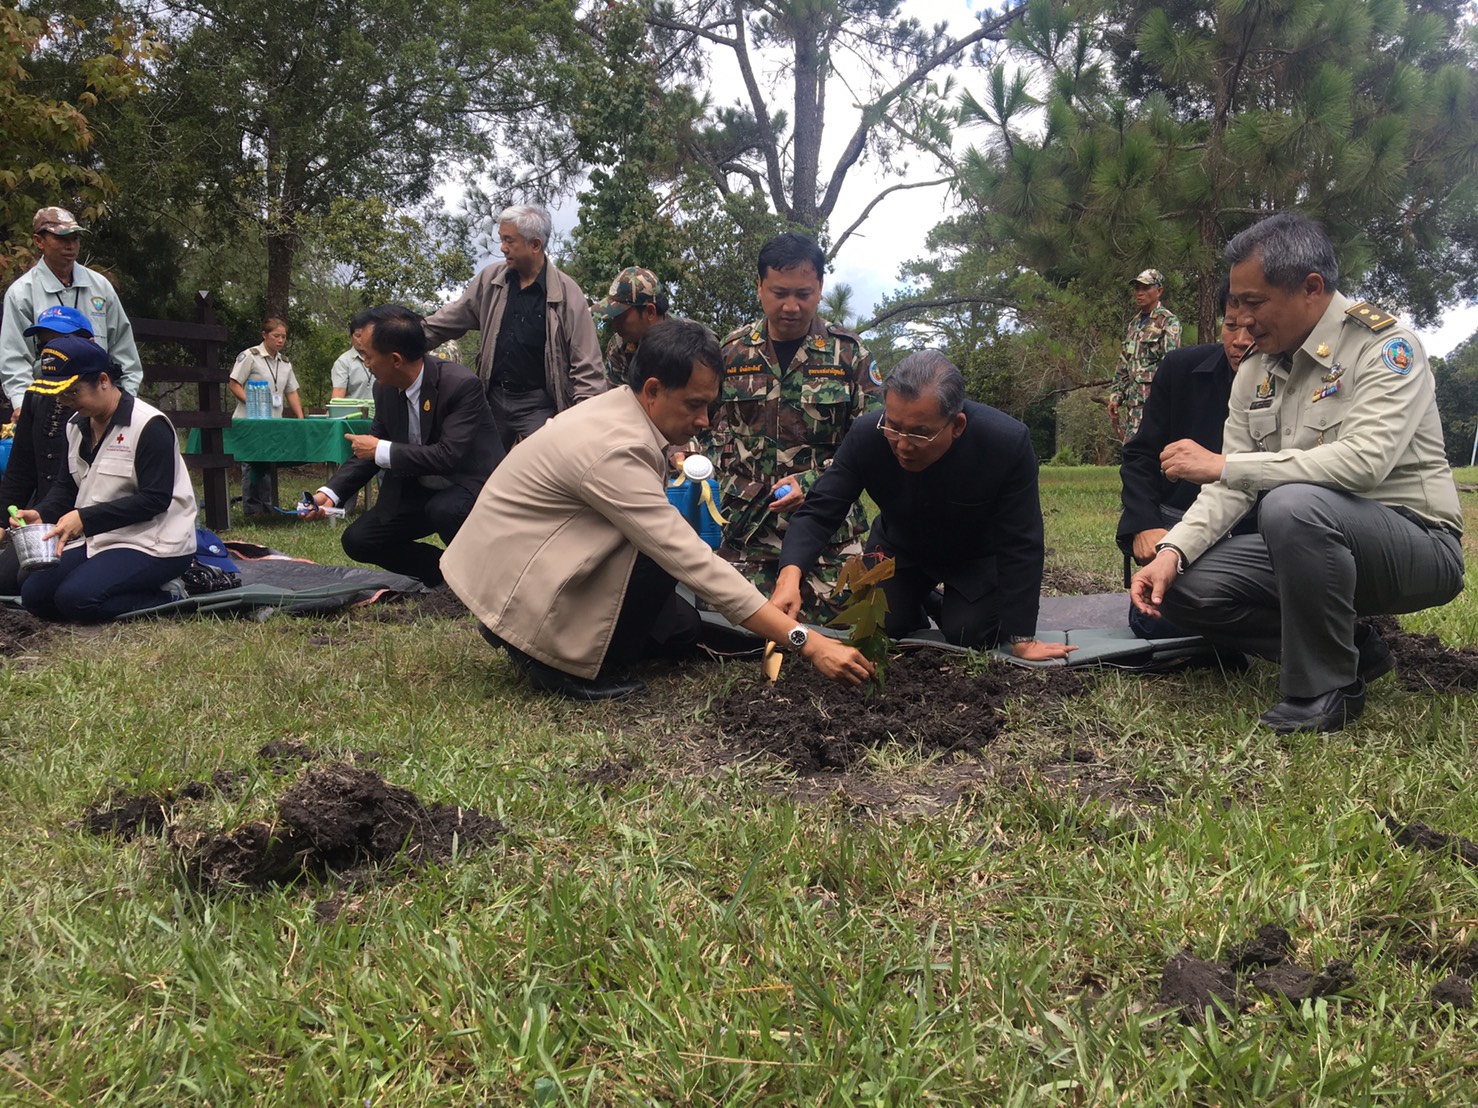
540 353
572 551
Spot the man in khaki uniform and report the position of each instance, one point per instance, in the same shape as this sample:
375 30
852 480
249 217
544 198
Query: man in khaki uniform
1152 334
1335 417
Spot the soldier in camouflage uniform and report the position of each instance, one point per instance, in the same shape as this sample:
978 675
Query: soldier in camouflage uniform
792 386
1150 336
636 301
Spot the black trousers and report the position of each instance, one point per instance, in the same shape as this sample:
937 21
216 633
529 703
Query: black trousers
386 534
519 414
654 622
968 617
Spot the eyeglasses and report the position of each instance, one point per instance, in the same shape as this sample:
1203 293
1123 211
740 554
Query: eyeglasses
894 435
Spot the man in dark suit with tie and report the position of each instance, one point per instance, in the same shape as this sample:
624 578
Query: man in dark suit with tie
435 463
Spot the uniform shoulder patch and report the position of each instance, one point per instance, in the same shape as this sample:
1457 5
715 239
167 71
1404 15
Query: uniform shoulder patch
1368 315
874 373
748 336
1397 356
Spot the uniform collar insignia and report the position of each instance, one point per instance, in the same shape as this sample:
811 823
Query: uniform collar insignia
1322 351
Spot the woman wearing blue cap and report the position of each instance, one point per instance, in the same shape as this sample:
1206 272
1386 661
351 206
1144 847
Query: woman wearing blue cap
40 443
122 507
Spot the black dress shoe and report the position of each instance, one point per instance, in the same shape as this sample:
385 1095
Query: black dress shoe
1376 659
547 679
1326 712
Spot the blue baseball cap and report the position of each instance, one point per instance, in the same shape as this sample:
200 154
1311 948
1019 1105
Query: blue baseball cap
62 320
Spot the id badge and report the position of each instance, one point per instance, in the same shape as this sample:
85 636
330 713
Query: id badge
277 400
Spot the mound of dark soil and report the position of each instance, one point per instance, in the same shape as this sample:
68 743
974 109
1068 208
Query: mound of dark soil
149 813
1455 991
1193 986
23 633
928 701
336 818
284 754
1262 962
1421 837
1425 664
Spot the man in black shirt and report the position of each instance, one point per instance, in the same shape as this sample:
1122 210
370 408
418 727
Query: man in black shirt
956 487
540 353
1187 400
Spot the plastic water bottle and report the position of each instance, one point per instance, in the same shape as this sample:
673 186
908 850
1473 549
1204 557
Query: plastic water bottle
258 400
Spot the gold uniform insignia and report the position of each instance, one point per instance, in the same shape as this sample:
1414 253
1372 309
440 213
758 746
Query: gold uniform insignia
1368 315
1322 350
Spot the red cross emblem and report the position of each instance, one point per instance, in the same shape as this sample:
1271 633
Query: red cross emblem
120 436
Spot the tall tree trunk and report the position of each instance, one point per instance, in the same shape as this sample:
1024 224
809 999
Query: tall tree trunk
284 205
808 123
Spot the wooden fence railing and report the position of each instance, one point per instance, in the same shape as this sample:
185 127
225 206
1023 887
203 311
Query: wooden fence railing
206 410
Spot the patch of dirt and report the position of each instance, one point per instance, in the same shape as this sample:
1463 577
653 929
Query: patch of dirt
1453 990
439 603
1421 837
929 701
609 774
1261 963
1425 664
1058 581
23 633
285 755
1193 986
127 816
1271 946
334 819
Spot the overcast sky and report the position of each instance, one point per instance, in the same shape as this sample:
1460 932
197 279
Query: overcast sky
894 233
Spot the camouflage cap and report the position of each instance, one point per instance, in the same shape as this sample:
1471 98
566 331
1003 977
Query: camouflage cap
58 221
1150 277
634 287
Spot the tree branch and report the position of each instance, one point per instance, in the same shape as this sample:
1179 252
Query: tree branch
876 200
871 113
921 305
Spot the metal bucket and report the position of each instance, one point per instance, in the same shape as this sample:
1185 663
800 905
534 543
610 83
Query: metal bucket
34 551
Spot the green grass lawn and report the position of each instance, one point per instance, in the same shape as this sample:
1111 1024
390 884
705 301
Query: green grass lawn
696 929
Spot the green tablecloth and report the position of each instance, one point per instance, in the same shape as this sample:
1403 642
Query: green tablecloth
287 441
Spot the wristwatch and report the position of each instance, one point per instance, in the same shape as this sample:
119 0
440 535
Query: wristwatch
797 637
1179 554
1014 639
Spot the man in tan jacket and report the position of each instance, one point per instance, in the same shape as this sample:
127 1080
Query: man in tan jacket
572 552
540 353
1335 419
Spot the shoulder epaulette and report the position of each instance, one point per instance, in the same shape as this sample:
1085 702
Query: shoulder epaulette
749 335
841 332
1368 315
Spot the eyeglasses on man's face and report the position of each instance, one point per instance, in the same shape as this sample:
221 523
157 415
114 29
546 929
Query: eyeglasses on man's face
892 434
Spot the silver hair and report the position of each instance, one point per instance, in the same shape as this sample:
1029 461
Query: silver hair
532 221
926 371
1290 247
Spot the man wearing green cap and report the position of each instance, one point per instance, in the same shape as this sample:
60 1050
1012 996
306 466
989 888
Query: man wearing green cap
59 280
636 301
1152 334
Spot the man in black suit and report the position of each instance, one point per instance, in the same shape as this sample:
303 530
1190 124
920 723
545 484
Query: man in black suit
956 487
435 463
1187 400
